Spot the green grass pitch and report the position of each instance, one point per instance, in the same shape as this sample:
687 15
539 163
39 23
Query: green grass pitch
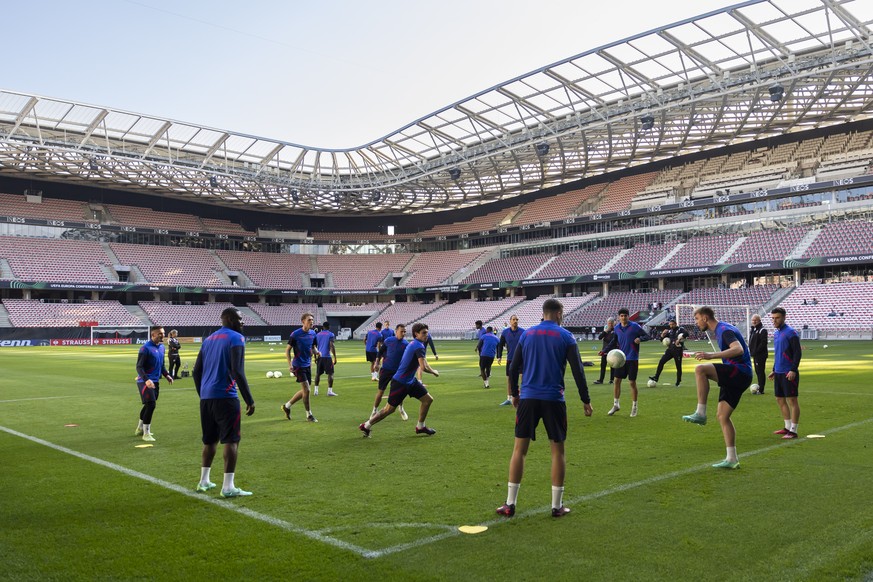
84 503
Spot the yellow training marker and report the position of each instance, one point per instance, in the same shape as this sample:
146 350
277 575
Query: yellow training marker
143 446
815 436
472 529
70 425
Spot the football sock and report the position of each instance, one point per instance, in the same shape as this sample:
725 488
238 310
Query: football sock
367 424
316 387
147 429
787 424
701 409
228 482
732 454
633 403
793 428
139 426
204 475
288 405
372 414
308 413
419 425
615 401
512 494
557 497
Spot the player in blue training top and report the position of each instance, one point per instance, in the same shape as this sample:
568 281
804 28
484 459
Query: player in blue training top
404 383
324 341
149 369
480 331
219 373
302 343
785 374
386 331
628 335
487 348
390 353
733 375
509 339
371 348
543 352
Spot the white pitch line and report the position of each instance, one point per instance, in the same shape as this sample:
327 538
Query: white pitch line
199 496
604 493
40 398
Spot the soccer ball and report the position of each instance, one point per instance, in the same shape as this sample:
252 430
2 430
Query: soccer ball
755 389
615 358
651 383
666 341
277 374
270 374
825 346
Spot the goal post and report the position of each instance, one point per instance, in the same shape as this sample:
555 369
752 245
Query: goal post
119 334
739 316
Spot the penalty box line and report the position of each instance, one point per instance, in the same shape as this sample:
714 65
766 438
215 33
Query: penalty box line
280 523
606 492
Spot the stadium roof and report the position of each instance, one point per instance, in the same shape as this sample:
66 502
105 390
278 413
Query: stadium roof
746 72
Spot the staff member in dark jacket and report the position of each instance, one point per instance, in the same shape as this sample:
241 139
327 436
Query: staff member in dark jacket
175 360
758 349
607 336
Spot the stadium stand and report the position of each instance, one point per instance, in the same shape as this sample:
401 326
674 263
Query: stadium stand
172 265
768 245
219 226
531 312
753 296
508 268
436 267
270 270
558 207
641 257
701 250
596 314
456 319
51 208
488 222
168 314
286 314
133 216
842 238
33 313
579 262
403 312
54 260
359 271
835 307
618 195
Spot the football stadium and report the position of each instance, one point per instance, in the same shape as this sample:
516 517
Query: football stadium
725 161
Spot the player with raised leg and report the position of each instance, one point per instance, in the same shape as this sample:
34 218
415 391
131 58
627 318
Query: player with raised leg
543 351
733 375
785 374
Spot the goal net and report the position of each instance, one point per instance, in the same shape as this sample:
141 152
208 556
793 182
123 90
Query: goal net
102 335
739 316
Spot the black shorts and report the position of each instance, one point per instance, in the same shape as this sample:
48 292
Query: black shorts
732 383
303 374
553 414
371 356
785 388
385 378
399 391
325 366
630 370
508 363
147 394
485 362
220 420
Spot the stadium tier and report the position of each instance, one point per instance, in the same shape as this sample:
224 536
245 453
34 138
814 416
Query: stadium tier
437 267
701 250
360 271
269 270
131 216
50 208
578 262
286 314
209 314
596 313
403 312
172 265
643 256
32 313
768 245
753 296
456 319
508 268
531 312
842 238
836 307
56 260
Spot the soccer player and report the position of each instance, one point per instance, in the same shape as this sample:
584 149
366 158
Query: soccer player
480 331
387 362
733 376
607 336
758 349
386 331
371 348
785 374
302 342
324 341
175 360
509 339
219 373
428 343
543 352
628 335
487 348
149 369
404 383
677 336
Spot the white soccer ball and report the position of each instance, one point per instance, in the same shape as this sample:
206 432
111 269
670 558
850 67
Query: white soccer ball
651 383
681 336
755 389
270 374
277 374
825 346
666 341
615 358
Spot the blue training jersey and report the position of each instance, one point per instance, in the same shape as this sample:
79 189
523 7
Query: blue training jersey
301 343
323 339
409 362
373 337
480 332
386 333
510 339
152 355
489 345
217 381
392 352
543 348
786 346
625 336
725 335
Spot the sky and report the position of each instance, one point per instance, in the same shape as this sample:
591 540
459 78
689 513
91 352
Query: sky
327 74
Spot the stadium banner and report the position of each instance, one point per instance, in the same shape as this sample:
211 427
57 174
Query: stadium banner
84 341
112 341
272 338
19 343
708 202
